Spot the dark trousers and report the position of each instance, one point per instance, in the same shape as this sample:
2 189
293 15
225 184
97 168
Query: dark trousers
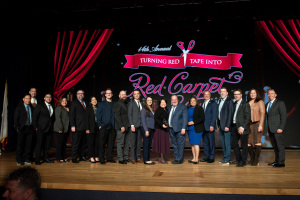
123 141
77 141
135 143
178 141
83 146
277 141
147 143
93 143
209 144
240 157
24 142
43 142
33 145
61 149
106 137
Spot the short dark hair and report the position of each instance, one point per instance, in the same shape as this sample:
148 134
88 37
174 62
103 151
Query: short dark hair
224 88
26 94
162 99
271 90
27 177
32 88
48 94
238 90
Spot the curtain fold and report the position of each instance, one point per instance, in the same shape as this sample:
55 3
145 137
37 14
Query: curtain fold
75 53
283 36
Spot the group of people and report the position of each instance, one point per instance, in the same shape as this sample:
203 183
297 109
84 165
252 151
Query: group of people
96 125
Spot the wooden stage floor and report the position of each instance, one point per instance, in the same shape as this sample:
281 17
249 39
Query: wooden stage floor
184 178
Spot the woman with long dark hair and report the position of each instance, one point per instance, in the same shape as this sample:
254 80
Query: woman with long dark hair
256 125
195 127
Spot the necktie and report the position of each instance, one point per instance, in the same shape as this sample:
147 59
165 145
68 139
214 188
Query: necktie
49 108
34 104
28 116
83 105
204 107
171 116
269 106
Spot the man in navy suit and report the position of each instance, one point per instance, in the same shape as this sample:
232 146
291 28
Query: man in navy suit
178 119
225 114
106 123
210 111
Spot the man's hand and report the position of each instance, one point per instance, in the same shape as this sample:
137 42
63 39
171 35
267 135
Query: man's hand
133 129
122 129
241 131
279 131
211 128
226 129
73 129
87 131
147 134
182 131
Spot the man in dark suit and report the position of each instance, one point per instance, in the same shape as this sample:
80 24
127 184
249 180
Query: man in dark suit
106 123
122 128
43 120
276 117
134 116
23 126
178 120
33 93
210 113
78 126
34 101
225 113
240 127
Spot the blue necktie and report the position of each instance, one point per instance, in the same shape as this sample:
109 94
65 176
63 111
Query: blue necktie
269 106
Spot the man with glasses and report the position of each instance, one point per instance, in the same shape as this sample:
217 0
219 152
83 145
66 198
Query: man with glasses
240 128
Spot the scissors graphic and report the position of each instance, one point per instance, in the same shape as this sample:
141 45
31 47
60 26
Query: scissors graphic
190 47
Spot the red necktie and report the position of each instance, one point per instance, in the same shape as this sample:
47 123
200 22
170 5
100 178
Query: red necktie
83 105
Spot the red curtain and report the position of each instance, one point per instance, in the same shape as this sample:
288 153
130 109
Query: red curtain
75 53
283 36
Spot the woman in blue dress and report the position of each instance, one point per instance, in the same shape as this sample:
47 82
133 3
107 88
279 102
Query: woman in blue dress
195 127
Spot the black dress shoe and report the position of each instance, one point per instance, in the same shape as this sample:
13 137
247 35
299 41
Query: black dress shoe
174 162
203 160
210 160
128 161
111 161
102 162
272 164
152 163
75 161
20 163
233 162
279 165
28 162
84 159
123 162
48 161
240 164
37 163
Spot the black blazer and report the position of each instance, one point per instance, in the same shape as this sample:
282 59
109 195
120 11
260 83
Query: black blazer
159 116
105 115
77 116
226 114
121 115
20 116
276 117
41 118
243 116
198 119
62 122
90 119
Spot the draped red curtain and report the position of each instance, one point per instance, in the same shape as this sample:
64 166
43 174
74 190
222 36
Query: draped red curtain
75 53
283 36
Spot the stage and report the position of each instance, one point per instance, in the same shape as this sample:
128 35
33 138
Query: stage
202 178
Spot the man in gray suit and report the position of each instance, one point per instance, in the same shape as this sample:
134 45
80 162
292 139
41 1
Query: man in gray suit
276 117
240 128
134 116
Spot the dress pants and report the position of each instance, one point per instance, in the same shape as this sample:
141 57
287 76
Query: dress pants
106 137
93 143
277 141
209 144
123 142
77 143
61 145
226 144
24 144
136 143
147 143
178 141
43 143
240 157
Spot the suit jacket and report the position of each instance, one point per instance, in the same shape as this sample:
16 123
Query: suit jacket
243 116
90 119
198 119
226 114
105 115
41 118
77 116
134 114
62 121
179 118
211 114
276 117
20 116
121 115
159 116
147 121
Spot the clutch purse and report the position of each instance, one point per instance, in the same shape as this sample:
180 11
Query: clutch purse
165 122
